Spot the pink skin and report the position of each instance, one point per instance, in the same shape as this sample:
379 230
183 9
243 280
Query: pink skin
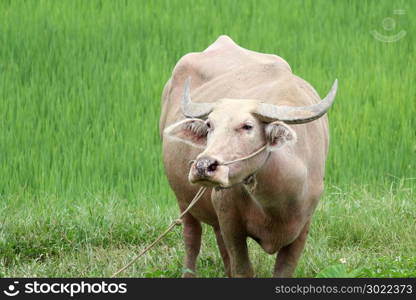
231 137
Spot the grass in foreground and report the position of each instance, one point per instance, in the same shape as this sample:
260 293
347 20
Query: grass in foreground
371 232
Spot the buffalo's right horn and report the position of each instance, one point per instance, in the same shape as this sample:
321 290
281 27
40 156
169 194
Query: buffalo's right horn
296 114
193 109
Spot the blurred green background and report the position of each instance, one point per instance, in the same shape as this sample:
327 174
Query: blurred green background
80 88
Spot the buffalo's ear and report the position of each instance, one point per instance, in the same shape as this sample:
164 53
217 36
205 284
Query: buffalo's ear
190 131
278 134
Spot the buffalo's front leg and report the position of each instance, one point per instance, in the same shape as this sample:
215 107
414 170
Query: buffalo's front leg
223 251
240 264
233 233
288 256
192 231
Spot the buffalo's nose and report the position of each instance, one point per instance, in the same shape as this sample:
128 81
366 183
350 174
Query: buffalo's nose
206 164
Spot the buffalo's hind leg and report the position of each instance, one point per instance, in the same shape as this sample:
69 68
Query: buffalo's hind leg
288 256
192 232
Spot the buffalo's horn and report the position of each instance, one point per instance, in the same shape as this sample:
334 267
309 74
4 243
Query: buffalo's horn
192 109
297 114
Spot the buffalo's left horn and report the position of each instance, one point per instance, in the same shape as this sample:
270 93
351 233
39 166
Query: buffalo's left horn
192 109
297 114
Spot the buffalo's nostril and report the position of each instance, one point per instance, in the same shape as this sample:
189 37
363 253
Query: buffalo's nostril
205 165
213 166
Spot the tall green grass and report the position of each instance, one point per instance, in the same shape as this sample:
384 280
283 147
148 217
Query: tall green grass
80 87
81 84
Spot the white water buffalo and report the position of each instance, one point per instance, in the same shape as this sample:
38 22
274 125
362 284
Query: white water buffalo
241 103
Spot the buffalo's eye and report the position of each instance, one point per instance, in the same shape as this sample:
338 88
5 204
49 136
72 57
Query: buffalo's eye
247 127
208 124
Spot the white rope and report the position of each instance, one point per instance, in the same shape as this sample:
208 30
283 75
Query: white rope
178 221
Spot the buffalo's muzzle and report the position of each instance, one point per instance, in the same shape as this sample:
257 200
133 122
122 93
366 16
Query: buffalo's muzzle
209 172
205 166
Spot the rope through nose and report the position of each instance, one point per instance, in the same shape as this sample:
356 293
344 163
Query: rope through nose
225 163
244 157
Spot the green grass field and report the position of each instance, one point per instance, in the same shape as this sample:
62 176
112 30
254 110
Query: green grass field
82 185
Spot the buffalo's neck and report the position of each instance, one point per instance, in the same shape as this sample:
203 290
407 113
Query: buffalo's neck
278 188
